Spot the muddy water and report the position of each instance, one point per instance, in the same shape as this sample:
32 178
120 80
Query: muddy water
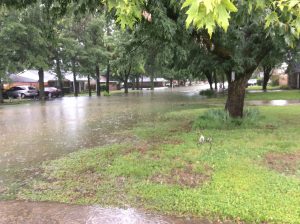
36 132
53 213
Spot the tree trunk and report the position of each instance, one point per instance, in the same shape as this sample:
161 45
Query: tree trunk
209 79
107 77
126 85
215 80
133 83
98 87
236 97
152 81
171 82
223 81
41 84
59 76
142 82
74 79
127 74
89 86
267 76
1 92
137 82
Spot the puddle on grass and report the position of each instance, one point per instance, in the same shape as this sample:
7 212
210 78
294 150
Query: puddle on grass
272 102
54 213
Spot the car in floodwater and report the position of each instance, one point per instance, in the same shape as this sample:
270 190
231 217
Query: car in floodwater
21 91
52 92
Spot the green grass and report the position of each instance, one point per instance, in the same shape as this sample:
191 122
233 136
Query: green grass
272 95
280 95
260 87
167 171
16 101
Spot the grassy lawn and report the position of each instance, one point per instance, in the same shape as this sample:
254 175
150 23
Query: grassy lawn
260 87
250 172
280 95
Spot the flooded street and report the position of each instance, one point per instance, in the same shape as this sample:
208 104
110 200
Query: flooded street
35 132
53 213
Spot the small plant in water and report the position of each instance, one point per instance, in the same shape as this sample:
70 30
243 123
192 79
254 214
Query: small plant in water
207 92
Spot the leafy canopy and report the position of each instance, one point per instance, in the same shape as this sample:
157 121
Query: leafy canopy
210 14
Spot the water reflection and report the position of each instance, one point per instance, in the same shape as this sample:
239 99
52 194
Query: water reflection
35 132
273 102
34 213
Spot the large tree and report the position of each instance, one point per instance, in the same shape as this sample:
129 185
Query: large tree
239 33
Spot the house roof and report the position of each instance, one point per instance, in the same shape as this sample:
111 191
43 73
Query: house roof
34 75
17 78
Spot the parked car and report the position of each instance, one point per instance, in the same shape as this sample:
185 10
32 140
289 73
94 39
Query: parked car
52 92
22 91
252 82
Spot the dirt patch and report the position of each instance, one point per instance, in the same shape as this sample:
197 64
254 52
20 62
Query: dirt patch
185 177
144 147
184 127
284 163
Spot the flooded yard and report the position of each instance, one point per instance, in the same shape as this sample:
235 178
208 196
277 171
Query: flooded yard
36 132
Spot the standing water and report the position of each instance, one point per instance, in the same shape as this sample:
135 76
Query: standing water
37 132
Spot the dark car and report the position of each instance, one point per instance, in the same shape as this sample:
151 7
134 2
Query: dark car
22 92
52 92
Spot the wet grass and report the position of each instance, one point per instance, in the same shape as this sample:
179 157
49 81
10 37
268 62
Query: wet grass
168 171
279 95
260 88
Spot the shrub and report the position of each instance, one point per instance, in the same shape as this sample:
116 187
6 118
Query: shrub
259 82
285 87
106 93
220 119
207 92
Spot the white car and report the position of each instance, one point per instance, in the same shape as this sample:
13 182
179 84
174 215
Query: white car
252 82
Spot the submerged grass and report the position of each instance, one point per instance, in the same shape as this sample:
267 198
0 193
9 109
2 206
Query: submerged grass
160 171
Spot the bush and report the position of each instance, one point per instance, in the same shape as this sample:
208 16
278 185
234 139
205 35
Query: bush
106 93
259 82
285 87
207 92
220 119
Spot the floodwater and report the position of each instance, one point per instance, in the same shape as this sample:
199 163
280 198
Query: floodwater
53 213
35 132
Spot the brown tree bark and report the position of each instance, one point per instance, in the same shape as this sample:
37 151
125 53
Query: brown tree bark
74 79
209 79
267 76
142 82
41 84
127 74
59 75
125 85
1 92
215 81
98 87
89 86
152 81
107 77
137 82
236 96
